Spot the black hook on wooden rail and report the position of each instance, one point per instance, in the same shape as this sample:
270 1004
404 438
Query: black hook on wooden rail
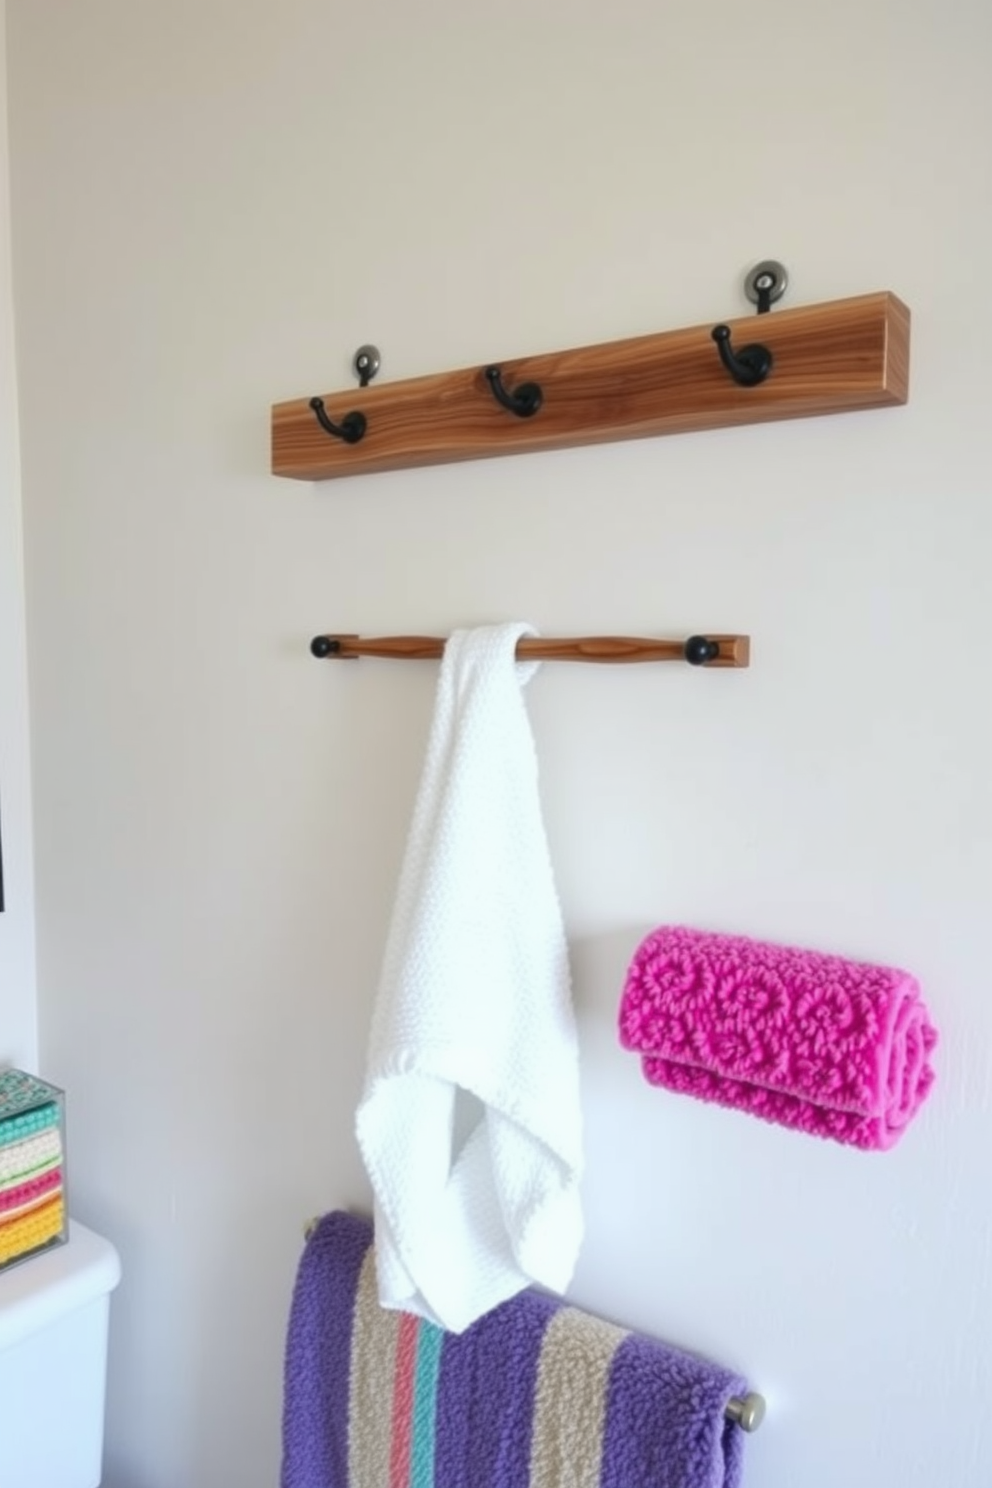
766 283
350 429
524 401
747 367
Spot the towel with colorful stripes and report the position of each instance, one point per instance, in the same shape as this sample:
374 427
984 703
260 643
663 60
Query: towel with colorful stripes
535 1394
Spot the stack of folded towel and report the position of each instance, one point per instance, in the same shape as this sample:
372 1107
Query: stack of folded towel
32 1166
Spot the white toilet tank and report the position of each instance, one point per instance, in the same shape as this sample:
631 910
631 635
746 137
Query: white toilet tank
54 1311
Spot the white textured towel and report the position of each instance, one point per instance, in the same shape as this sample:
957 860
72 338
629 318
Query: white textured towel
474 1012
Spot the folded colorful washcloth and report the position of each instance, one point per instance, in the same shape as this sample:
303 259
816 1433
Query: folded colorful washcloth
832 1047
17 1128
21 1197
535 1394
41 1224
22 1160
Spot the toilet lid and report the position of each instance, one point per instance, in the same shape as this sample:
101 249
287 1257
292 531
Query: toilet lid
46 1287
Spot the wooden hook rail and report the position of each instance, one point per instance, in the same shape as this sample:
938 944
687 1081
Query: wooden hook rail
705 651
818 359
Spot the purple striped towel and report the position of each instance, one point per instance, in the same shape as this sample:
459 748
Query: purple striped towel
535 1394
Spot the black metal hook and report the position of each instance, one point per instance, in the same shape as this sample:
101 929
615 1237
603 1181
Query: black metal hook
350 429
700 649
749 366
523 401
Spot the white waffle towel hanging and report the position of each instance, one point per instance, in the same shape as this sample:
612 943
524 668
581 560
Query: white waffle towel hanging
473 1025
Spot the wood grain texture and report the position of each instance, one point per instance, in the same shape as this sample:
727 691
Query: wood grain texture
830 358
735 650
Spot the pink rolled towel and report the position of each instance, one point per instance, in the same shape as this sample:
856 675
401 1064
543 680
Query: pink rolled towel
832 1047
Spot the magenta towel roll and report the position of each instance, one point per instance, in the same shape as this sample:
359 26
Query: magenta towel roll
832 1047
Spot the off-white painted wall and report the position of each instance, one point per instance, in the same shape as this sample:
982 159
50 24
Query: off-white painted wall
214 203
18 1020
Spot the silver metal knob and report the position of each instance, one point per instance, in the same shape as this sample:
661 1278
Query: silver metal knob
767 281
366 363
749 1412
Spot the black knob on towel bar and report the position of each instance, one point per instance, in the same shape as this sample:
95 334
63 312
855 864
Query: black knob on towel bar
523 401
323 646
749 366
350 429
699 650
